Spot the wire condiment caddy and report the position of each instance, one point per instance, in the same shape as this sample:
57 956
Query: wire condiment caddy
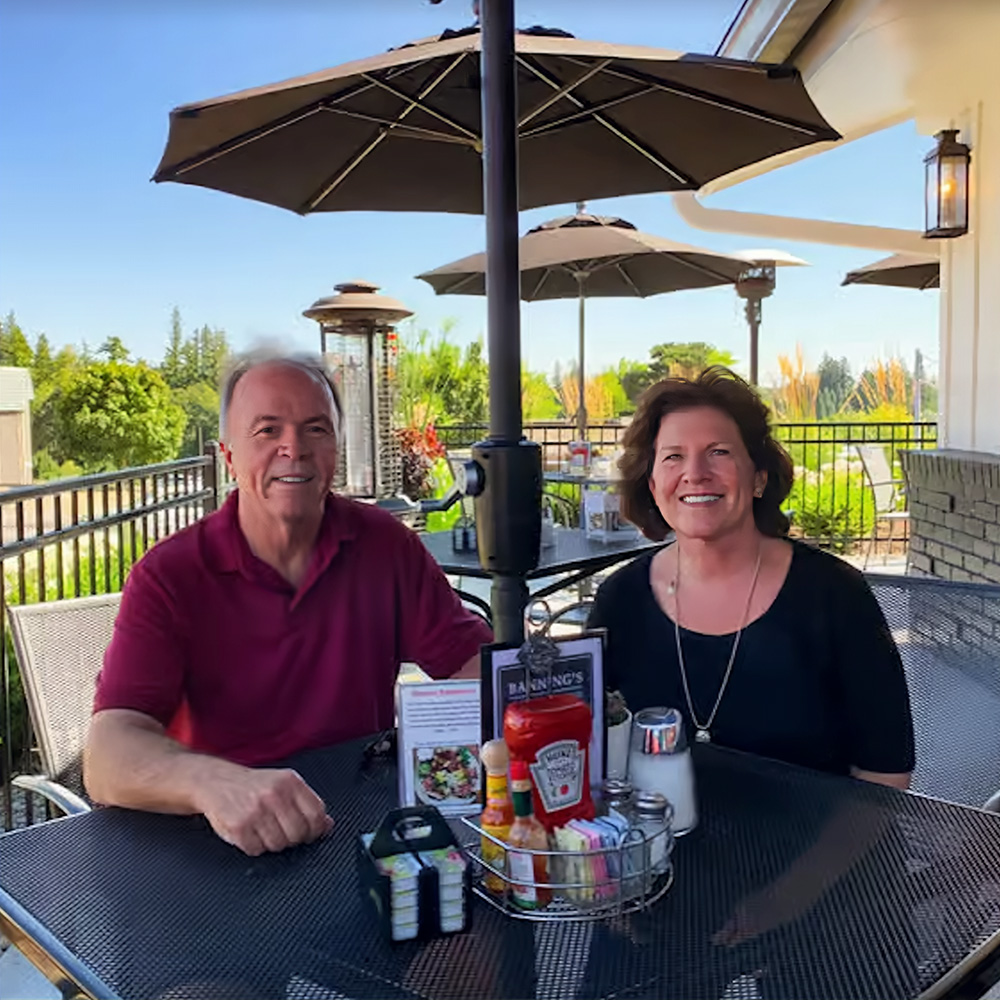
581 885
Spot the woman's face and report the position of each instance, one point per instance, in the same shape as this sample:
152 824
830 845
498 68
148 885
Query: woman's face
703 480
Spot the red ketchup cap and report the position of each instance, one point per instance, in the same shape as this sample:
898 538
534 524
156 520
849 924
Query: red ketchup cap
518 770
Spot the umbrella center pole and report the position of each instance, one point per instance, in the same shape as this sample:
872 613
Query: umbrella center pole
581 410
508 510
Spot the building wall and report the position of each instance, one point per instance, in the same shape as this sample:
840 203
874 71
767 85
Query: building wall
15 448
954 503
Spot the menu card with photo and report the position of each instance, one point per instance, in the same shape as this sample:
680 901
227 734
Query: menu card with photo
578 670
438 729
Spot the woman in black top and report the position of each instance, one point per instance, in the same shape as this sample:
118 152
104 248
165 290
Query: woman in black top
764 645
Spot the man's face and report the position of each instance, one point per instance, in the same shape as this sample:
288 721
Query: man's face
281 442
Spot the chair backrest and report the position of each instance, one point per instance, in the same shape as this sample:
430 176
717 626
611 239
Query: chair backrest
60 647
948 635
878 472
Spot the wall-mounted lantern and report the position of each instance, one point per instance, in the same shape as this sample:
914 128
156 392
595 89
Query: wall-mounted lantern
947 187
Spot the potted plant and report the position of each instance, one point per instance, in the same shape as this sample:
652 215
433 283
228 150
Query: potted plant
618 721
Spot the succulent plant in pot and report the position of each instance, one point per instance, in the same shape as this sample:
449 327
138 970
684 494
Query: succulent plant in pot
618 720
615 709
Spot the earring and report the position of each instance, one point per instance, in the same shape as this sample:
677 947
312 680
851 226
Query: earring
758 493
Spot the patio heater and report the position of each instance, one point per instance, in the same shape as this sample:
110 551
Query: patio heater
359 342
754 285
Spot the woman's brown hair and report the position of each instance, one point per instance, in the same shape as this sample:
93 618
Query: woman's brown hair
723 390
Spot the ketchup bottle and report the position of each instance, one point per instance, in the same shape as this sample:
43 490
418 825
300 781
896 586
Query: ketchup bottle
552 736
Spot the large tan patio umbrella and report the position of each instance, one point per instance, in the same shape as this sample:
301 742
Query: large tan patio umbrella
441 125
585 256
901 270
402 131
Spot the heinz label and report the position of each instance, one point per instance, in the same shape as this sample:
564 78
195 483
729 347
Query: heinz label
558 772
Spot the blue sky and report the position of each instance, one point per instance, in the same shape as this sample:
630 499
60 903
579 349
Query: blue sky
90 248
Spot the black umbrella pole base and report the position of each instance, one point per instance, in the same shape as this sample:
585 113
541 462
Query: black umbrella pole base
508 598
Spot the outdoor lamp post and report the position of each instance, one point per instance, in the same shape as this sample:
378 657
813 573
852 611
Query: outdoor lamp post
358 339
755 284
946 199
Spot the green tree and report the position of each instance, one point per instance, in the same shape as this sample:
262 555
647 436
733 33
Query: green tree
612 385
685 360
113 349
112 416
200 402
43 367
835 386
170 368
538 399
438 382
15 351
201 357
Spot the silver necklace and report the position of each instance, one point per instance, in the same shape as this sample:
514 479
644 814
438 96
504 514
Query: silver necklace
703 730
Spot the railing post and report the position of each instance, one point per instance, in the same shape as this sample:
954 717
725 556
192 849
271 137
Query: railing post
212 477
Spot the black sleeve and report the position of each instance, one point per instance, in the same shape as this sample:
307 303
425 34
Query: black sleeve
870 672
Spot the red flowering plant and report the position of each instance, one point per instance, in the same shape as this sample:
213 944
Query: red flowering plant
420 449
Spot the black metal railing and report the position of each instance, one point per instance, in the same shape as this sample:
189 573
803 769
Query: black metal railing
73 538
831 502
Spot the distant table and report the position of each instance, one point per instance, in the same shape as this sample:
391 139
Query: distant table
573 552
579 478
130 904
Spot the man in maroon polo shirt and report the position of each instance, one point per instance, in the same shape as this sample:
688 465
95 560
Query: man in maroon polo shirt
274 625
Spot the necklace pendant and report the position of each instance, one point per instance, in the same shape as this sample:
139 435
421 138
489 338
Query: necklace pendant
703 736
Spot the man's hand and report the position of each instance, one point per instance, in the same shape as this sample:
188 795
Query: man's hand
260 810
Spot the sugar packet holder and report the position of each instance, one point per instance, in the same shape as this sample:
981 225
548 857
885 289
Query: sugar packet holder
414 875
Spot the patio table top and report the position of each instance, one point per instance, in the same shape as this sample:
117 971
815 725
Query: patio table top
573 552
140 905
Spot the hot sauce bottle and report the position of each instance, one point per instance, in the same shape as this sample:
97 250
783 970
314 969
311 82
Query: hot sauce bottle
552 736
527 872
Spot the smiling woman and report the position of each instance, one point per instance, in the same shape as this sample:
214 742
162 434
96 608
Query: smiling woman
764 645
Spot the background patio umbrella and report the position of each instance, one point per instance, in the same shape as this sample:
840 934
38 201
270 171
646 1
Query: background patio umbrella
586 256
902 270
432 127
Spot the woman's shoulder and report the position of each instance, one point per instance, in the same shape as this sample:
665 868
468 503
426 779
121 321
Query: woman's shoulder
816 570
629 580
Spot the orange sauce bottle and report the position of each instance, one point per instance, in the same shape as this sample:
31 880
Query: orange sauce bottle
497 817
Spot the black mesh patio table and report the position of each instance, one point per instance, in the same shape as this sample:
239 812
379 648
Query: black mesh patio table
141 906
573 552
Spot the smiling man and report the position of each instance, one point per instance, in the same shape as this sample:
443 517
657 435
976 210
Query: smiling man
272 626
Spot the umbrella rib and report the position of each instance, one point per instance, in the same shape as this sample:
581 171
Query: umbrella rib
416 130
615 129
260 132
693 93
621 270
417 102
705 269
563 92
558 123
341 175
538 285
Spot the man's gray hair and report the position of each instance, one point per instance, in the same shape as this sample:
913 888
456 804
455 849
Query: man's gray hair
312 364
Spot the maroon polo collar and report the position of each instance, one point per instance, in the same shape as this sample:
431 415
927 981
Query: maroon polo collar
227 550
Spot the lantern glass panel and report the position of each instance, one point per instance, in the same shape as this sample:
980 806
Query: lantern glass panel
953 213
350 359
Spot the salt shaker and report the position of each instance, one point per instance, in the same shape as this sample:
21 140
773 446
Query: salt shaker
653 815
660 761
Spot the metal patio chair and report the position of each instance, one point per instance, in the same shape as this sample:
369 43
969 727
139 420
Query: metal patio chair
946 635
60 647
886 492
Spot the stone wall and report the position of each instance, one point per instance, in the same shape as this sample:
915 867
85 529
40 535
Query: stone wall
954 503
